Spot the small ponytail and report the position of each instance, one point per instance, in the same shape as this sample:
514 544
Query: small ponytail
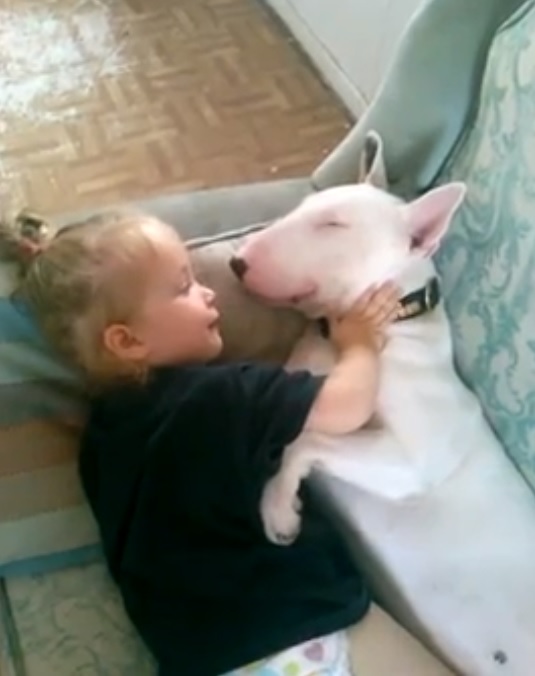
23 238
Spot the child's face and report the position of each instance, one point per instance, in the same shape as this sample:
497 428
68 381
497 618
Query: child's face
177 321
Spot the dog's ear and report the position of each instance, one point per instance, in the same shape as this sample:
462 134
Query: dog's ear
372 168
428 217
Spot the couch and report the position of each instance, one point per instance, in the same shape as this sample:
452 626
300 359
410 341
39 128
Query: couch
457 102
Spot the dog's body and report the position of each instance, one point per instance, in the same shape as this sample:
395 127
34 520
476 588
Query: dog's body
445 524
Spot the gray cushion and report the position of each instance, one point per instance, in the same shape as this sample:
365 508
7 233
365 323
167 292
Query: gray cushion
428 96
212 212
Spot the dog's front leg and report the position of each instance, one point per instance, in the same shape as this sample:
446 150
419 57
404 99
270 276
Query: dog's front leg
370 459
280 506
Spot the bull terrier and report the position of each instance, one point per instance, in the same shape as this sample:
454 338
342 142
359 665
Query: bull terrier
443 523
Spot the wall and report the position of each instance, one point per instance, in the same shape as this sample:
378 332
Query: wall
350 41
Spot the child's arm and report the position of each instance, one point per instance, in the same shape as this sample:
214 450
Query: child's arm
347 399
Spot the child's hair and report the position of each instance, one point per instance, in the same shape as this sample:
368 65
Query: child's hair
79 280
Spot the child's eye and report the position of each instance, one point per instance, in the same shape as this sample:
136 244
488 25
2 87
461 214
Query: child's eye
186 283
184 288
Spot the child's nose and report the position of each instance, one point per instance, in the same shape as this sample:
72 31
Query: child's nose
209 295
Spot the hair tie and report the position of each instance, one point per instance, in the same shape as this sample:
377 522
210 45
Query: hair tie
30 249
33 234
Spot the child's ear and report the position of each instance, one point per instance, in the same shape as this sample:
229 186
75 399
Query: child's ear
123 344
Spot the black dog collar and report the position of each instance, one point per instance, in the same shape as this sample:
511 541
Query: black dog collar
420 302
412 305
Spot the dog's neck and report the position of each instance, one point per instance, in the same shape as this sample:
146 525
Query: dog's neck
417 276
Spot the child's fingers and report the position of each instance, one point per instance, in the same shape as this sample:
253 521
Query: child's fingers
359 309
382 303
384 316
390 315
374 304
364 300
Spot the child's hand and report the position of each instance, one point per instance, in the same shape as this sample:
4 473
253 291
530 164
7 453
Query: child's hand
366 322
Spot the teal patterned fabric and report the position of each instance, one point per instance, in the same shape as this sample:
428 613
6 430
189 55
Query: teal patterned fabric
488 260
73 622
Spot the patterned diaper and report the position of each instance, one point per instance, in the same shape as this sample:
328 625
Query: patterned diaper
325 656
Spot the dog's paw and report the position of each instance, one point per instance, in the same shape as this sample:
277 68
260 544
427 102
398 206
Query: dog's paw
280 514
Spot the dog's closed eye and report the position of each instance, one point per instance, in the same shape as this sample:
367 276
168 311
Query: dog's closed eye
331 224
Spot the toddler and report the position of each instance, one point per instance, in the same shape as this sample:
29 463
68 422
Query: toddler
177 450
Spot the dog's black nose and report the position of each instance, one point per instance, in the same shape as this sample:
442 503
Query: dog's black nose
238 266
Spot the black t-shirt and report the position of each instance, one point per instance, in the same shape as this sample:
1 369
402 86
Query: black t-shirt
174 472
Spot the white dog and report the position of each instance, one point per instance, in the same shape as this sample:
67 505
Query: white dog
443 522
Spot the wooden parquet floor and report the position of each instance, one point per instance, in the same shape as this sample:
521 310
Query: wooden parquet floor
108 100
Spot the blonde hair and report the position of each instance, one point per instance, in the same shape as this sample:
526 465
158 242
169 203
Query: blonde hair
80 279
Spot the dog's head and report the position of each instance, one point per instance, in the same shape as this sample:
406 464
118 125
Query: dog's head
337 242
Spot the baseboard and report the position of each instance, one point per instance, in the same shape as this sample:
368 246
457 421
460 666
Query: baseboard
320 55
